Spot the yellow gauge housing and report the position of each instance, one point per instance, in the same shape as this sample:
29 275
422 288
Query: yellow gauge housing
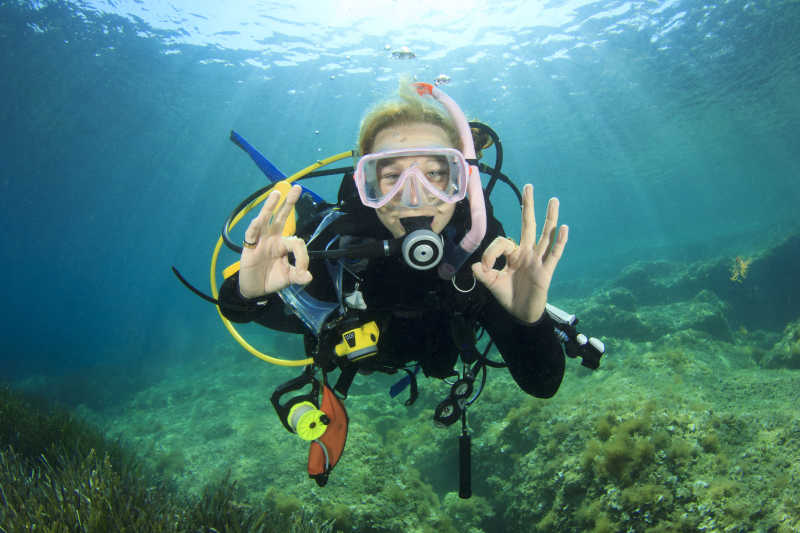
360 342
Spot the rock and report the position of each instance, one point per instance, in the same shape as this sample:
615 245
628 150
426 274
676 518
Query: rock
786 352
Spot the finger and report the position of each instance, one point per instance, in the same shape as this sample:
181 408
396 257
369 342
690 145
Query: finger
554 255
279 218
499 246
299 272
300 277
528 236
550 222
252 233
256 227
485 275
273 198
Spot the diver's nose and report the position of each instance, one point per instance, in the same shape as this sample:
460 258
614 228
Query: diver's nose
411 193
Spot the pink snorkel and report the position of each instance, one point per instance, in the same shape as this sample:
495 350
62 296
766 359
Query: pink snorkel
455 256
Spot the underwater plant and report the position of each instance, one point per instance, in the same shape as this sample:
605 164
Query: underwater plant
739 268
58 473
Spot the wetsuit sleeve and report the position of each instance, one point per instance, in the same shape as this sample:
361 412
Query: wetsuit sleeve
533 353
268 310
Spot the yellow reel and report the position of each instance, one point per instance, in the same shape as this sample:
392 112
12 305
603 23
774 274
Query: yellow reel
307 421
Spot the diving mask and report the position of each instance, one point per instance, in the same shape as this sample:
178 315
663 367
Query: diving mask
414 177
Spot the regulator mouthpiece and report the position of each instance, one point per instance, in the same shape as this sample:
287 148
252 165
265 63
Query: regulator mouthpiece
422 248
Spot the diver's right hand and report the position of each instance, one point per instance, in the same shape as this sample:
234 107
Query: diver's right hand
265 268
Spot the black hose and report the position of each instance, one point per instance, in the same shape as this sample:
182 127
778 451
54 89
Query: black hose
192 288
244 203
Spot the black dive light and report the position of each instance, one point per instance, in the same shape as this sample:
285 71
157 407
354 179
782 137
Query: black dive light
464 465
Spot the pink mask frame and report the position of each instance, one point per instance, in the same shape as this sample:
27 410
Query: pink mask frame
412 177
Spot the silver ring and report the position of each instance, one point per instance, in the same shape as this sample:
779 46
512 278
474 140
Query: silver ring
459 289
248 244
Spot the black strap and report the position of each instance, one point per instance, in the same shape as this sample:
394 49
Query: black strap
414 392
346 378
463 334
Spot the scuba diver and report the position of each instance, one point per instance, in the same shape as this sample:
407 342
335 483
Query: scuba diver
403 273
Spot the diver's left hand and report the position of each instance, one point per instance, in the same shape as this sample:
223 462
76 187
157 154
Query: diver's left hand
521 287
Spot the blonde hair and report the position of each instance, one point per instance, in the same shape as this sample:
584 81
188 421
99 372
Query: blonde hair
407 107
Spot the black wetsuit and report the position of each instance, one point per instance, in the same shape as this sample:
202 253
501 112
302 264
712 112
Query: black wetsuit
419 314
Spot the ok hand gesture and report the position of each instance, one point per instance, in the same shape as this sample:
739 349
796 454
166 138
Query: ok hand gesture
264 267
521 286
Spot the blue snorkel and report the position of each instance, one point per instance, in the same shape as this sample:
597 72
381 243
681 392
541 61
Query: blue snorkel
269 170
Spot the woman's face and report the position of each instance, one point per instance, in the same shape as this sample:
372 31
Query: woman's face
414 135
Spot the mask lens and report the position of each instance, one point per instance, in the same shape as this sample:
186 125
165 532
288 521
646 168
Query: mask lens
413 177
